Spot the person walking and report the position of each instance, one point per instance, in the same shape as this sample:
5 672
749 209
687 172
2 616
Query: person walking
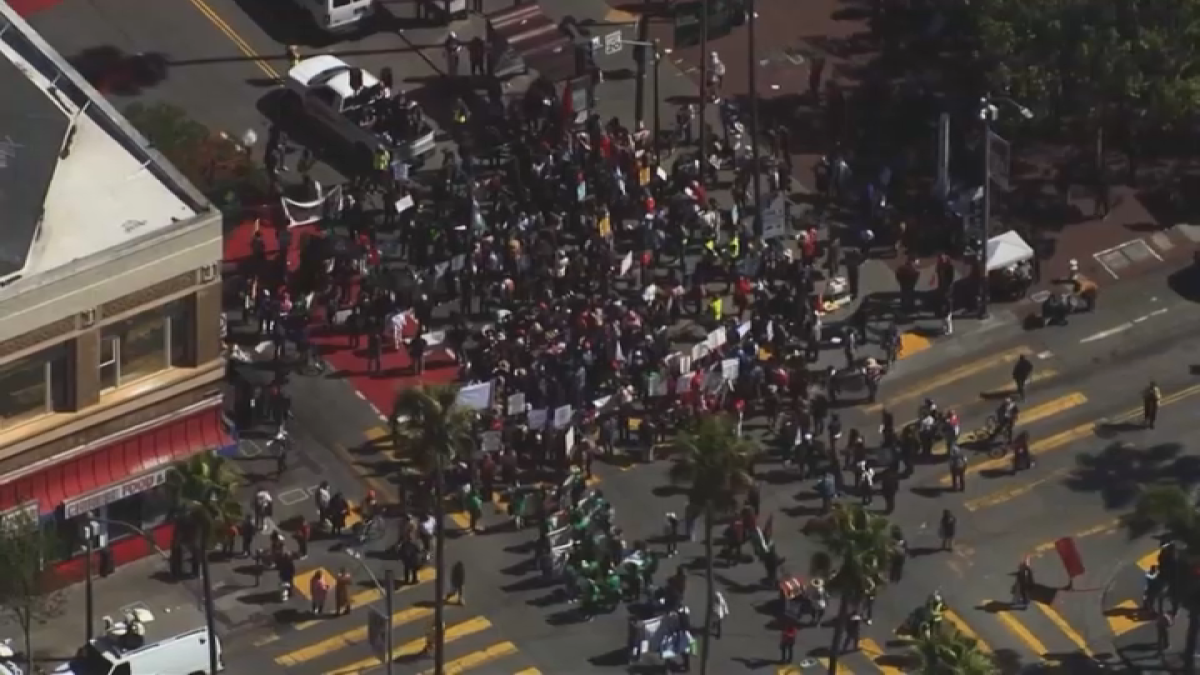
458 582
1020 375
1150 400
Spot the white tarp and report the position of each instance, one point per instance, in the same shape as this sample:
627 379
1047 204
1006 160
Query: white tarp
1007 249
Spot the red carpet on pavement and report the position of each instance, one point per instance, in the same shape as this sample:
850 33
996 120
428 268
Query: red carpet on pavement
334 347
27 8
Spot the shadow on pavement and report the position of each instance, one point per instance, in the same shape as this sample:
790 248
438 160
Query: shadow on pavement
115 73
1119 472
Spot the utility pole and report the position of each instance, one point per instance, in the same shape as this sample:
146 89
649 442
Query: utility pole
755 155
439 579
657 97
214 662
89 603
702 109
389 601
980 261
657 54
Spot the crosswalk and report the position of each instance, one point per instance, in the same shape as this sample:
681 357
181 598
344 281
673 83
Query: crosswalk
1061 627
342 645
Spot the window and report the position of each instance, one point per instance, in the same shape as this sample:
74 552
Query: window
32 387
145 344
145 510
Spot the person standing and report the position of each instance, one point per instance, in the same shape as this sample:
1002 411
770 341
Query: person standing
341 592
1020 374
1150 400
947 529
787 642
318 588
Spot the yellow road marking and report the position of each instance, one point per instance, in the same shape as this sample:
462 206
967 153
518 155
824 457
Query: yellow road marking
1016 628
1060 404
1061 623
478 658
371 595
912 343
379 433
383 489
414 647
529 671
1001 496
871 649
273 637
1040 376
1107 527
951 377
1124 617
1147 560
620 16
965 629
301 582
1075 433
347 639
216 20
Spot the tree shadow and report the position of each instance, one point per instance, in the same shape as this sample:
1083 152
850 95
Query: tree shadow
113 72
1120 471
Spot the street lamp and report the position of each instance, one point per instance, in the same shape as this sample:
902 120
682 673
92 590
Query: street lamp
988 113
386 588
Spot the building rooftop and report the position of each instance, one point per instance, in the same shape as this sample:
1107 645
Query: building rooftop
75 180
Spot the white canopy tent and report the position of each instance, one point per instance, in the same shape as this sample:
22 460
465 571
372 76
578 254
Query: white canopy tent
1007 249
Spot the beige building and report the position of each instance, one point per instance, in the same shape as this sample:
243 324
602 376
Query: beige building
110 307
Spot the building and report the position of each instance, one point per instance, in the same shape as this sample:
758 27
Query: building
110 298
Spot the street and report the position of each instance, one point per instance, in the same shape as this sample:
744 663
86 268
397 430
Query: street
1083 412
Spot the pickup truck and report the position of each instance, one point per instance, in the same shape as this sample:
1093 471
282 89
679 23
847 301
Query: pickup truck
325 95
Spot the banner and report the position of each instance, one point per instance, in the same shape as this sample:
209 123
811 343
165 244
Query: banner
326 205
475 396
715 340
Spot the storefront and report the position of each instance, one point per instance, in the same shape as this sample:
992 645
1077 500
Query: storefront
120 479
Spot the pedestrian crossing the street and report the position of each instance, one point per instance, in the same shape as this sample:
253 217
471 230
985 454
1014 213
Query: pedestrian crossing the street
342 645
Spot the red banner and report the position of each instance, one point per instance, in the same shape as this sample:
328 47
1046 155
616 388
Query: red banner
1069 555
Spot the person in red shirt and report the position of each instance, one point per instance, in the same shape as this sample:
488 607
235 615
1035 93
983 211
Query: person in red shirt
787 642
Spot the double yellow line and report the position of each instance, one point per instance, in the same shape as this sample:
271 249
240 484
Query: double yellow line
216 20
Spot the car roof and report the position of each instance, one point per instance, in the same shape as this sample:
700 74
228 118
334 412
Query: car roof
329 71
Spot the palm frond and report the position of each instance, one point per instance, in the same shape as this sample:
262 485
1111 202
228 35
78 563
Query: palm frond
430 425
713 463
856 545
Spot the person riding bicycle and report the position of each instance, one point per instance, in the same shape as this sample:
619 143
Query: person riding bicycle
1006 418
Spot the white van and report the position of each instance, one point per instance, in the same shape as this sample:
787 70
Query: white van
336 16
184 654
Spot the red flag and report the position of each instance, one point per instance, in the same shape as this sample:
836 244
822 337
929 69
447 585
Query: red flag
1072 562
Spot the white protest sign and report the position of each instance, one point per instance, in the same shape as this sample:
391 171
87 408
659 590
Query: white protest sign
404 204
729 369
656 385
650 292
569 441
562 416
538 419
715 339
516 404
490 442
627 263
475 396
684 384
699 351
775 218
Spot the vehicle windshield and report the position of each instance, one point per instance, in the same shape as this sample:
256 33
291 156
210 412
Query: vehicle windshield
91 661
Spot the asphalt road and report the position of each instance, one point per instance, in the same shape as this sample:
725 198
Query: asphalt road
1084 479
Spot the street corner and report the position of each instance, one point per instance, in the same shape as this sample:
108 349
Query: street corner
1130 629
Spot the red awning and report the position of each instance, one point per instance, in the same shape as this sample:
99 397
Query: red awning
117 460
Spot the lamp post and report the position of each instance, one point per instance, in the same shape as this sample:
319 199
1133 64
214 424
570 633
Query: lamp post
89 602
756 157
387 589
702 108
652 45
90 530
988 113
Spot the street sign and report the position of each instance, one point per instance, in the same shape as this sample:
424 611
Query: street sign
612 43
377 633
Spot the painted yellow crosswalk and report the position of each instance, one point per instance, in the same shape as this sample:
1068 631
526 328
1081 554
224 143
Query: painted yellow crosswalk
342 645
1127 615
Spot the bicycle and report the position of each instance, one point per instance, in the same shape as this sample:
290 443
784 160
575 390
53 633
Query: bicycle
991 427
370 529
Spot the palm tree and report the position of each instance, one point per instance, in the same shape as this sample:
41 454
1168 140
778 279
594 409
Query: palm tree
857 546
1173 510
203 497
946 651
716 467
431 428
